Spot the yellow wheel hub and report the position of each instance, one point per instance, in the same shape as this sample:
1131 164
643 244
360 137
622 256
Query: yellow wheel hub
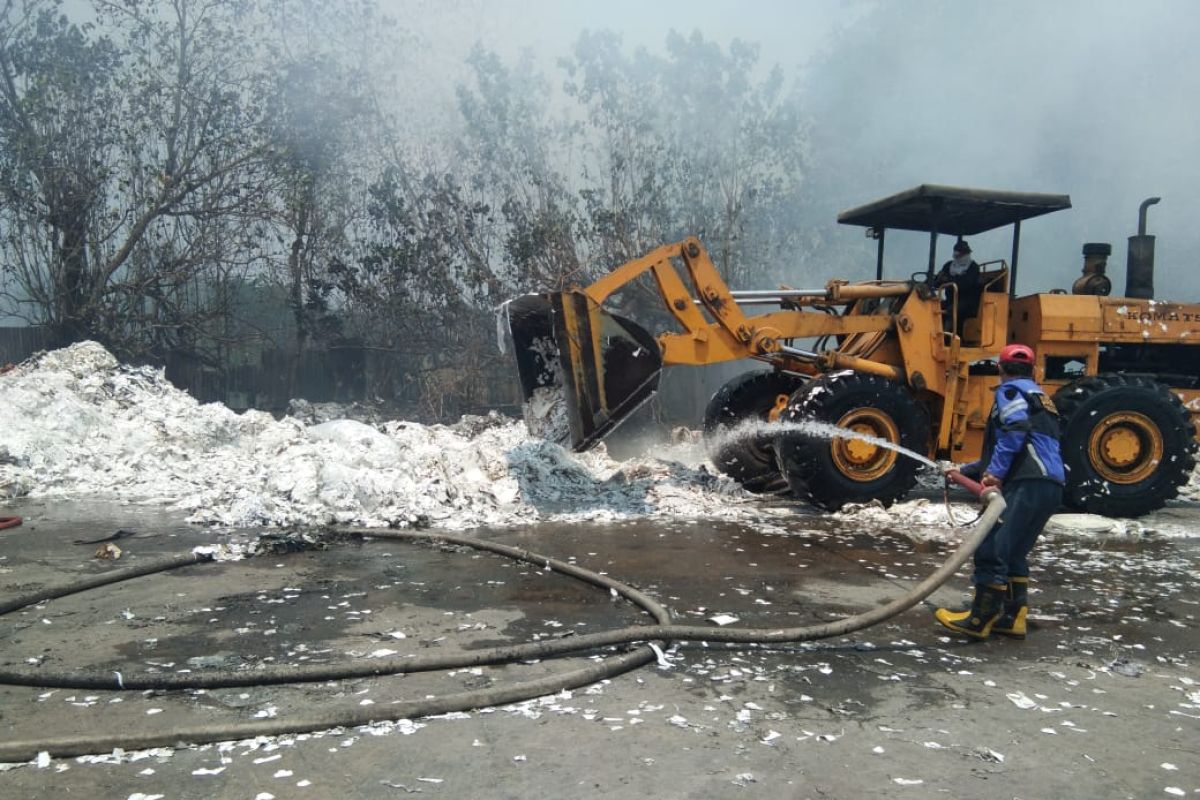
1125 447
776 412
865 461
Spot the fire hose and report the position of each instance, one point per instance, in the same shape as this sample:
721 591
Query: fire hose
664 630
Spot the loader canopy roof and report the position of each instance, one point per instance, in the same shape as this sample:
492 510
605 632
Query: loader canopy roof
952 209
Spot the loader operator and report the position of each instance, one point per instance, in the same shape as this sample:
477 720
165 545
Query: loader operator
964 273
1022 458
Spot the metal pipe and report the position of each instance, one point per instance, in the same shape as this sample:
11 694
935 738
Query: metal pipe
932 255
767 301
738 295
879 255
1012 270
796 352
835 294
857 291
1149 201
839 361
935 219
756 301
1139 269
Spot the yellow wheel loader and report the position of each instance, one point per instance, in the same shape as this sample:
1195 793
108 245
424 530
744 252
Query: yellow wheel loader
891 361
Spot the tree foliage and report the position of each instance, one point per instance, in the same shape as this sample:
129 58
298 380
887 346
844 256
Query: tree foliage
160 161
130 162
690 141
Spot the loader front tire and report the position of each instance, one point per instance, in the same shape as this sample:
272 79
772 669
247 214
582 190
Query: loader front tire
750 460
1128 444
833 472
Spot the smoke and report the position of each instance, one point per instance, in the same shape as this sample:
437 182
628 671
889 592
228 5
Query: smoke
1083 98
1090 99
1093 98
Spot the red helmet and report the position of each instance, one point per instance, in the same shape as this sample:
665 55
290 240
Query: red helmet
1016 354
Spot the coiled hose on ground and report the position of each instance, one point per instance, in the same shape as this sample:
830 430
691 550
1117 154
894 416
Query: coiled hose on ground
664 630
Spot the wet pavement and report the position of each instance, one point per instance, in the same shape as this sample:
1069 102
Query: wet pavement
1102 700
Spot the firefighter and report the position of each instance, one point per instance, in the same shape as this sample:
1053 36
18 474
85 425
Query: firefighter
1021 457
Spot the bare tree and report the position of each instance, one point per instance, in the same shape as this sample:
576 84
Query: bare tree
456 233
540 191
133 167
320 122
515 155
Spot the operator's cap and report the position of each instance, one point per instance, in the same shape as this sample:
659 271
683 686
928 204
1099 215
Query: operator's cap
961 246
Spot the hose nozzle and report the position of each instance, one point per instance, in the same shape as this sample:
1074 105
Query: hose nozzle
983 493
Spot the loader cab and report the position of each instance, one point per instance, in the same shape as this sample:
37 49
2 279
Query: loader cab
959 212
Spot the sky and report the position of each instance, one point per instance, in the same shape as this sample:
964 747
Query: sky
1093 99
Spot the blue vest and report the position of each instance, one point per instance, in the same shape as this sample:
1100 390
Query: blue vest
1021 441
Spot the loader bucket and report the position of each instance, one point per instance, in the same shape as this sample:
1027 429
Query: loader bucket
599 366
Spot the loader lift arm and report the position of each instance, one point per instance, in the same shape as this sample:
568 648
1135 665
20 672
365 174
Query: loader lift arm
606 366
733 335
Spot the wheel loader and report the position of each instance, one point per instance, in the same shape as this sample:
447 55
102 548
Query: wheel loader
889 361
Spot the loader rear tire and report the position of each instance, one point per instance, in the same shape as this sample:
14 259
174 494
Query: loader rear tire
750 396
833 473
1128 444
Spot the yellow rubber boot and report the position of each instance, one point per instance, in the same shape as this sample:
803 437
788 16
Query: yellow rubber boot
1016 609
977 621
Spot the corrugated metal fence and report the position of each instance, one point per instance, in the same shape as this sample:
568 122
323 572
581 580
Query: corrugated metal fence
412 381
18 344
351 374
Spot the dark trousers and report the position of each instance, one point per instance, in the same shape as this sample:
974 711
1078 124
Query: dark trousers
1004 553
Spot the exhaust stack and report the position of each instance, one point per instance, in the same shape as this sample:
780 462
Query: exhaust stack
1139 272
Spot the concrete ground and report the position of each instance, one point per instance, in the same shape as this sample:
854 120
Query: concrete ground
1102 701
